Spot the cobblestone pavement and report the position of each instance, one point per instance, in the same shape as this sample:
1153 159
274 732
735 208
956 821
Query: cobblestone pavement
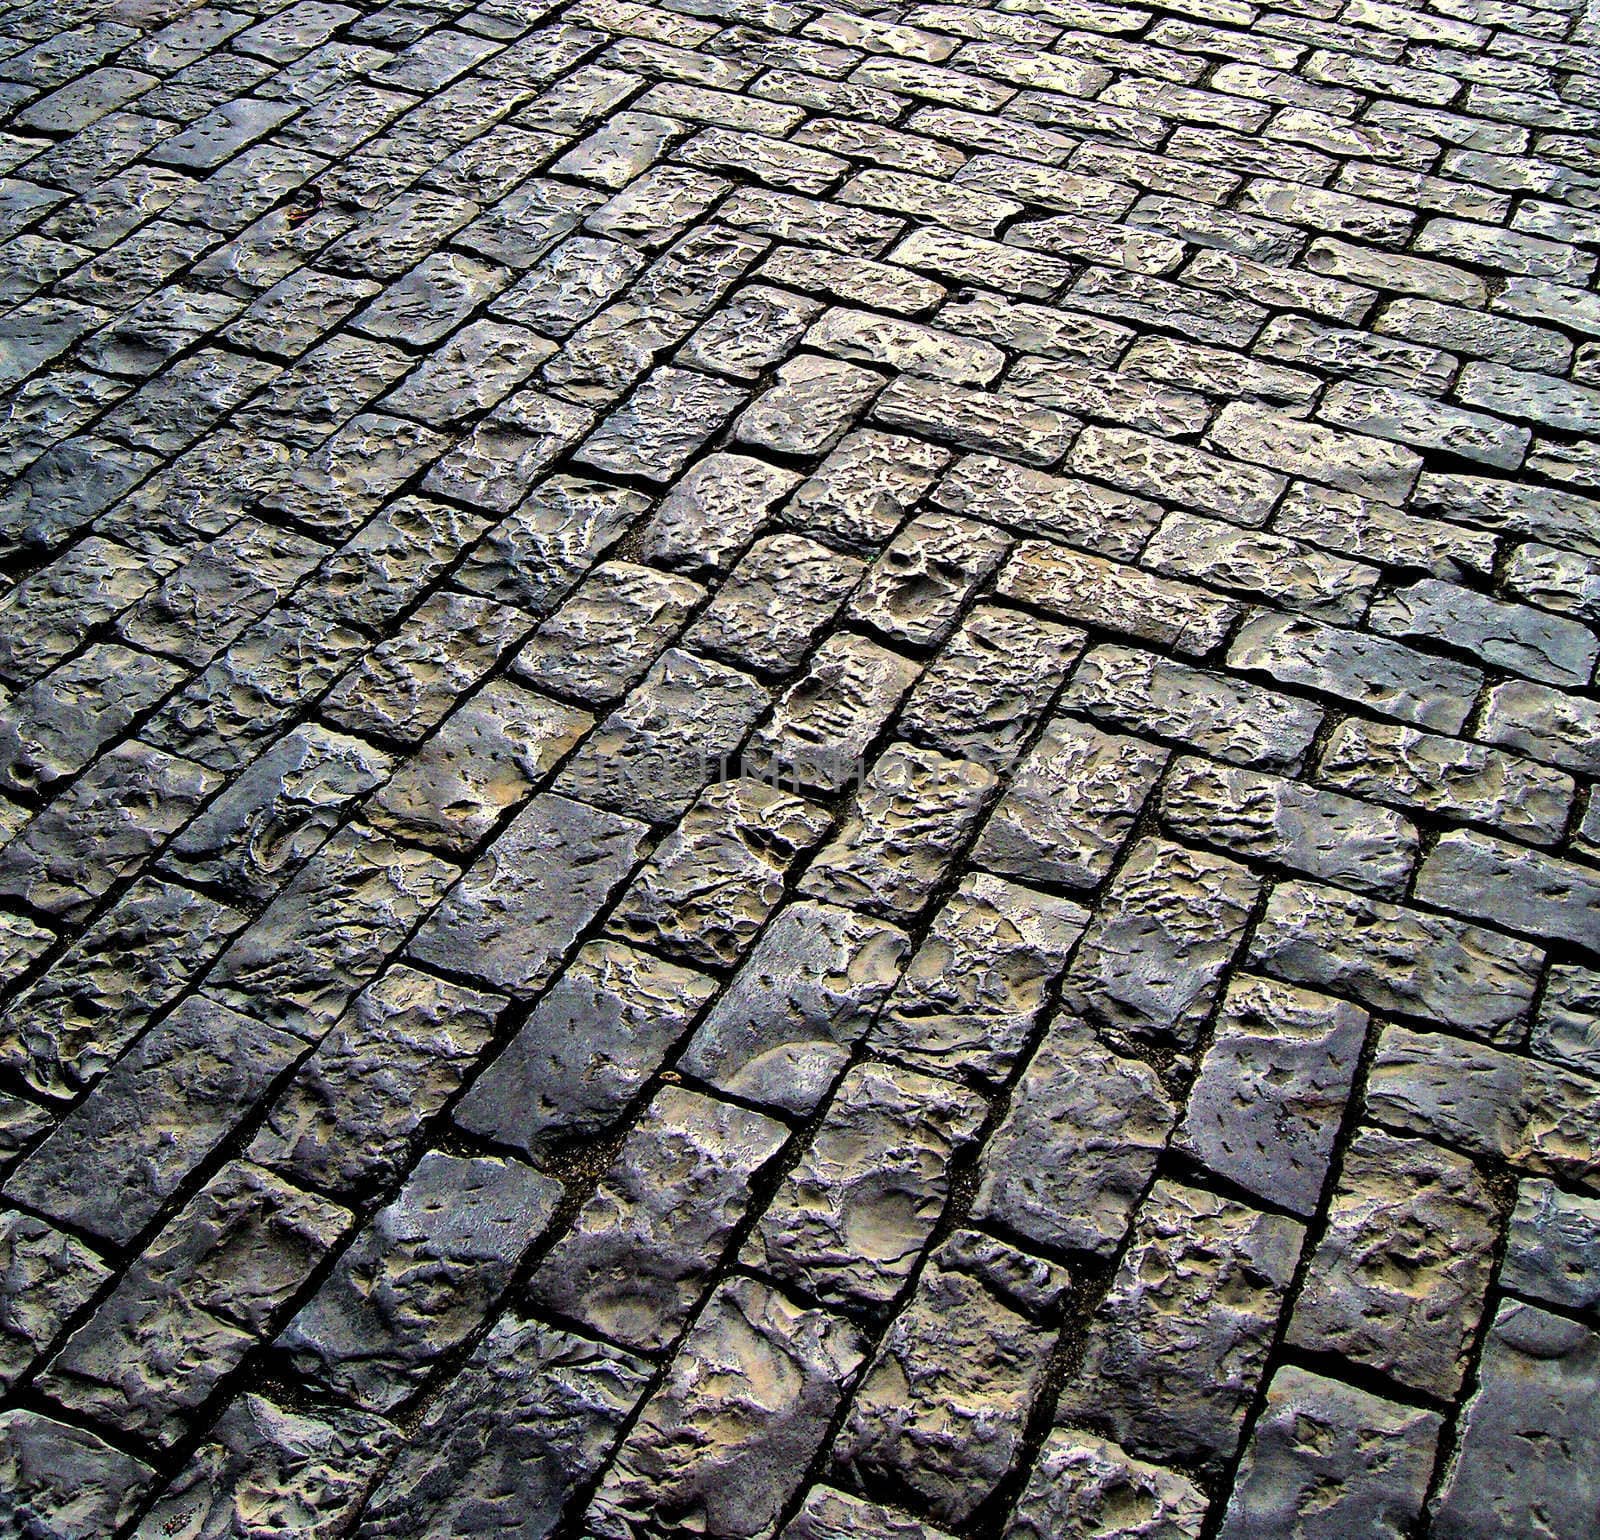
776 769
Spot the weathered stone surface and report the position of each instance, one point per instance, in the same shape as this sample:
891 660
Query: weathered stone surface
1397 1281
330 930
1539 1117
859 493
267 1465
1271 1090
1567 1028
64 1031
723 1443
782 1032
111 1163
824 722
1076 1150
526 1423
1512 886
1535 1388
990 684
710 885
914 591
1087 1486
347 1120
516 912
1397 959
420 1278
830 1515
1071 805
941 1408
664 423
971 995
911 816
714 509
851 1218
1169 923
46 1277
1328 1460
1265 817
1553 1247
642 1249
1198 1292
64 1481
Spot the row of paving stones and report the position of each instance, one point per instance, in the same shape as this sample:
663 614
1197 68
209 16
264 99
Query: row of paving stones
787 769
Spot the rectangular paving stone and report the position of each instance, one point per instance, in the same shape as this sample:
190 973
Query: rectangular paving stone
512 917
1199 1291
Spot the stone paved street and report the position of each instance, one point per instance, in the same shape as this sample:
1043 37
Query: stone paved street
800 768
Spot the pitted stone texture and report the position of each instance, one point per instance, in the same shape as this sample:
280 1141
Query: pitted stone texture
642 1249
1168 925
851 1218
266 1465
1265 817
1079 1145
1071 805
672 734
1539 1117
914 591
1393 958
1397 1281
830 1515
1326 1460
714 509
1198 1294
46 1277
942 1406
1536 1387
486 759
1087 1488
724 1442
824 722
1567 1029
1271 1090
420 1277
527 1422
783 1030
348 1119
516 912
64 1482
1553 1247
859 493
911 817
972 994
711 884
990 684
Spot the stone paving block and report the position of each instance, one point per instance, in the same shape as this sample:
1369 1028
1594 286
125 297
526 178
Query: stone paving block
782 1032
643 1248
64 1480
48 1277
741 1413
1397 1281
1073 1156
419 1279
1535 1382
267 1463
1199 1291
1083 1485
710 885
528 1421
850 1219
1169 923
349 1117
941 1407
1553 1247
1372 1457
511 919
911 816
1567 1028
1270 1094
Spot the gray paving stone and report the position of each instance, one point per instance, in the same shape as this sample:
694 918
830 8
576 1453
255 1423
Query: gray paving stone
941 1407
528 1421
1535 1381
643 1248
419 1279
749 1347
1410 1319
64 1481
1199 1291
48 1277
1553 1247
782 1032
1083 1485
1317 1436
